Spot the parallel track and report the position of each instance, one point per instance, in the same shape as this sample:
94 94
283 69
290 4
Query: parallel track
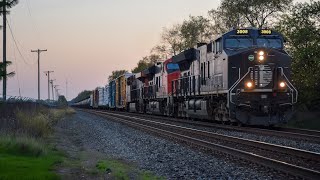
209 140
290 133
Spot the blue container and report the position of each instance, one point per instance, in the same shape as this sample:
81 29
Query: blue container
112 94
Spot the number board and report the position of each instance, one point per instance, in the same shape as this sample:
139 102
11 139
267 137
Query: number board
242 31
265 32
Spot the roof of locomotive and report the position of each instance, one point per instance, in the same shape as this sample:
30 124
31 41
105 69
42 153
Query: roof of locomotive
251 32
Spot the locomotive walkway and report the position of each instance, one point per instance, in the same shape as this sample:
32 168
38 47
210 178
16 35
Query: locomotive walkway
289 160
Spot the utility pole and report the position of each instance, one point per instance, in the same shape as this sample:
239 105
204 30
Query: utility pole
38 51
55 87
48 74
58 94
51 82
67 89
4 16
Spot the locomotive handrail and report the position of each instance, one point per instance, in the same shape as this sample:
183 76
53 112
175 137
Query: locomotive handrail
236 84
296 91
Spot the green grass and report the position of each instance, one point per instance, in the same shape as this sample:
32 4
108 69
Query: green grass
24 153
120 170
146 175
117 169
25 158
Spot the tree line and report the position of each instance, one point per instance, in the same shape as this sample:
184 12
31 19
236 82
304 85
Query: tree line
299 23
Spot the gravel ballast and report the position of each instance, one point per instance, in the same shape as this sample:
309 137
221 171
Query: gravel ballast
161 156
294 143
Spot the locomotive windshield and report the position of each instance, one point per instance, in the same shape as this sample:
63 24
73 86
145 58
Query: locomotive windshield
238 43
172 67
270 43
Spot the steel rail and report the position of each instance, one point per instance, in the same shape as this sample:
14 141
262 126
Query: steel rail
301 131
268 146
268 162
307 135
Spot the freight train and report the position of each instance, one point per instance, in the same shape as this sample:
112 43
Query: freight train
242 77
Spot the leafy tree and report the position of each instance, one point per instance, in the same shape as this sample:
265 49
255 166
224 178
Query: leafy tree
161 50
146 62
183 36
62 101
115 74
302 30
142 65
82 96
241 13
2 72
8 3
171 37
221 21
195 30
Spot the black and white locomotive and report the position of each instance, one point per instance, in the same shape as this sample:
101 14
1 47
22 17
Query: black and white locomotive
241 77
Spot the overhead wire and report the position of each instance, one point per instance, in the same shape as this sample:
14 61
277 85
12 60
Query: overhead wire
17 47
34 25
17 71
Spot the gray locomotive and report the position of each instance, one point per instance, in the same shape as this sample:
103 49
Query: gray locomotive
241 77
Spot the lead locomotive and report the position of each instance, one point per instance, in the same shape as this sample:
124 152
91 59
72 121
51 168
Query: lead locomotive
243 76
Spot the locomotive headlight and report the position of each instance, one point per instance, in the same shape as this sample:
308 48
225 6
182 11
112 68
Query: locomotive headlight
261 53
261 58
249 85
282 84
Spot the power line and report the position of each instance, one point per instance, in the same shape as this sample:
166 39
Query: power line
28 6
28 58
34 25
17 73
16 44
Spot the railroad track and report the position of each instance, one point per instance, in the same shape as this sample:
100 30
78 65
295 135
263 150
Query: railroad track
289 133
293 161
301 131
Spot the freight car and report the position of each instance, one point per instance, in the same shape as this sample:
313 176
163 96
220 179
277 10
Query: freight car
112 94
121 89
241 77
83 104
97 96
150 90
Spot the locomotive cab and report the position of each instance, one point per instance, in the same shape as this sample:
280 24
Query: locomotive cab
259 77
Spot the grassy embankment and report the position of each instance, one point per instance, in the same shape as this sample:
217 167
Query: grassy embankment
24 152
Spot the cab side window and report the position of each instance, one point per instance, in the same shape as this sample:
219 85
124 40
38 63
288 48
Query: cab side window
218 46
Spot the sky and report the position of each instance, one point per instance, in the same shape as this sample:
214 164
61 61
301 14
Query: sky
86 40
